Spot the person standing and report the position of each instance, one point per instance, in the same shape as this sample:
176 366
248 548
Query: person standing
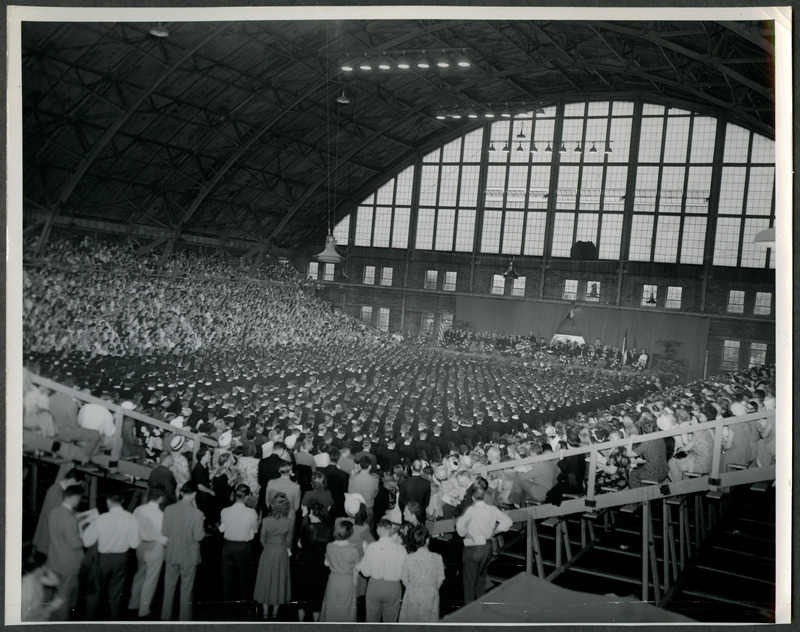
477 525
183 528
310 573
364 482
273 581
415 488
383 565
238 525
286 486
65 551
115 532
423 575
339 603
161 477
269 469
53 498
149 554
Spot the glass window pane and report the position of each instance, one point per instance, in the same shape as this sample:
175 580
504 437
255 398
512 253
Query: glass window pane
383 319
328 271
385 195
366 314
598 108
448 185
591 186
364 226
562 234
652 108
490 239
534 234
539 187
763 306
512 233
425 219
405 183
449 281
427 323
763 149
620 140
676 141
641 237
431 279
650 139
587 227
671 193
433 156
574 109
473 144
518 287
469 186
674 295
341 232
622 107
646 187
402 218
386 276
543 136
736 141
451 152
517 187
383 223
735 302
498 139
694 240
567 187
369 275
616 182
649 295
495 185
571 135
498 284
313 270
570 290
429 184
730 355
445 227
592 291
667 239
465 230
759 191
698 189
726 244
704 134
752 255
731 190
758 353
610 237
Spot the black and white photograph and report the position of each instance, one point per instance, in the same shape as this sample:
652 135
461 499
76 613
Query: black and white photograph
425 315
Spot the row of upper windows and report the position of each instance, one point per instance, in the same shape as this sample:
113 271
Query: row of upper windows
731 353
586 201
591 290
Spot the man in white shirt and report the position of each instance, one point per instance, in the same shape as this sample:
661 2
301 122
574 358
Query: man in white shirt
383 564
150 553
238 525
98 418
477 525
114 532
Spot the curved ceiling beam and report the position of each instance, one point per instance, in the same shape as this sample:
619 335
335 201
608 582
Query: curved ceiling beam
101 144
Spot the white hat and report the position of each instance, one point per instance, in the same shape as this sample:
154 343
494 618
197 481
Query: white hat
177 422
225 439
177 442
352 503
290 441
266 449
322 460
128 405
738 409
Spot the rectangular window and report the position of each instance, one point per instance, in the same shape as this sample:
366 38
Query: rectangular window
369 275
593 291
570 289
366 314
327 274
735 302
313 270
649 295
426 327
447 321
674 295
498 284
490 239
386 276
450 281
763 306
431 279
518 289
730 355
383 318
758 353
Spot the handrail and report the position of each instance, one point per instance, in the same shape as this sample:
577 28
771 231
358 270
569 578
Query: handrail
120 413
713 479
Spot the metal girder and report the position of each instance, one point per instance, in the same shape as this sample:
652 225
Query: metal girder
112 130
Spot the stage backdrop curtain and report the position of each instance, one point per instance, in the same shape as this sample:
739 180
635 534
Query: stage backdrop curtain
507 317
646 330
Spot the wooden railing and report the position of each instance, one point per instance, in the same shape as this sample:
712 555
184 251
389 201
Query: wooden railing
715 479
120 414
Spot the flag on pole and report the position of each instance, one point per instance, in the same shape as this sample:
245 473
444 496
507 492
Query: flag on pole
440 330
625 348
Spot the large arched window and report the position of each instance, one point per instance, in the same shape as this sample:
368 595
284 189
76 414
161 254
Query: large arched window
535 184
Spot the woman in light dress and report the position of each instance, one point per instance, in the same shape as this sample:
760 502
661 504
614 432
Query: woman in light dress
423 574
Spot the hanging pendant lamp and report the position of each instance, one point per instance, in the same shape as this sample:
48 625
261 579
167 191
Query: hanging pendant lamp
510 272
329 254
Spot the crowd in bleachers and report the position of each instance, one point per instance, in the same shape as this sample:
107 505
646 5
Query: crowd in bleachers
278 377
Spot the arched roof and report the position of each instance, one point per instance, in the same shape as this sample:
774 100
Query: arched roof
229 133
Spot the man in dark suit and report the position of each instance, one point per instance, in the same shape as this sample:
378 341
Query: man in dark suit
415 488
52 499
65 550
337 480
161 477
269 468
